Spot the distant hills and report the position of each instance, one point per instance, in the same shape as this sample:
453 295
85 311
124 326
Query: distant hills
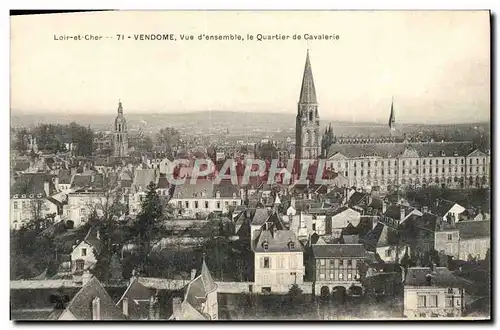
217 121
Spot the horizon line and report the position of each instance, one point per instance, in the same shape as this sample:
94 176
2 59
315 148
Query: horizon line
194 112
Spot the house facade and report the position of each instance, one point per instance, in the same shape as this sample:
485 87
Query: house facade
336 266
278 261
386 165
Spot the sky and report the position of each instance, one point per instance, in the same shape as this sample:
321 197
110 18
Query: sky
435 64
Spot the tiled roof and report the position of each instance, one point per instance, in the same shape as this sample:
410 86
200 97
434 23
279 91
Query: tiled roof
338 251
259 217
278 241
474 229
443 207
92 239
81 181
388 150
138 300
381 235
81 304
32 183
227 189
441 277
143 177
64 176
197 190
163 183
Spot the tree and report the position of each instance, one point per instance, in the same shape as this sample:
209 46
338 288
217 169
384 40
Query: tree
147 222
32 251
168 137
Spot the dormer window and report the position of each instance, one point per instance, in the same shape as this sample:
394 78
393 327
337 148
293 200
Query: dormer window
23 196
291 245
15 196
265 245
31 195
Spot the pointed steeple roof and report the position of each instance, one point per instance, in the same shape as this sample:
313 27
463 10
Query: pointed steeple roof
308 91
392 117
207 279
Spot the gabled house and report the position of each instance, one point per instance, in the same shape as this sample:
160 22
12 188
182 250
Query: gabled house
91 303
29 198
137 302
200 299
83 256
278 258
385 240
434 292
446 209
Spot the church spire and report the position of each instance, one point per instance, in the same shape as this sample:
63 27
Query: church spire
120 108
307 92
392 118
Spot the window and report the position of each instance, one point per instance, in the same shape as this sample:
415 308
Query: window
349 262
265 245
291 245
218 205
450 237
332 262
456 161
179 204
361 172
266 262
433 301
442 170
195 204
423 162
423 315
403 171
442 162
423 170
449 301
15 205
234 203
349 276
430 161
84 252
341 276
322 262
387 253
470 161
187 204
403 163
322 276
314 227
417 162
226 203
332 276
421 301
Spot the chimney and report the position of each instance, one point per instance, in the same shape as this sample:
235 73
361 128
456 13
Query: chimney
56 182
292 202
96 309
46 188
374 222
369 199
217 194
193 274
403 212
425 209
125 306
176 306
153 308
384 207
242 193
433 267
